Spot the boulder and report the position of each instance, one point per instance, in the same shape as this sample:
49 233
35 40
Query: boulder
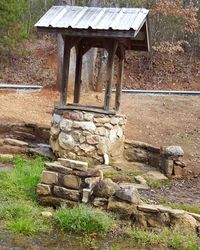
122 208
128 194
184 221
105 188
173 151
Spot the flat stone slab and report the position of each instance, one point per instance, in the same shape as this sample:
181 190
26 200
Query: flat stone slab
155 175
15 142
148 208
196 216
78 165
135 185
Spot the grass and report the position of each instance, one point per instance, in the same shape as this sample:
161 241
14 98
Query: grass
177 239
193 208
84 219
158 183
19 210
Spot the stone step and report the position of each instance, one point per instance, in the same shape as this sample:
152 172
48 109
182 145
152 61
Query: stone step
73 164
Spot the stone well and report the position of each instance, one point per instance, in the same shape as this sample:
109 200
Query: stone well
82 135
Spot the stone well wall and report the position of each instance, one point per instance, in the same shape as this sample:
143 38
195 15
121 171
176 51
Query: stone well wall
87 136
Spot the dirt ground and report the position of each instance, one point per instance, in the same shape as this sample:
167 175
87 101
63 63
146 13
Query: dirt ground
156 120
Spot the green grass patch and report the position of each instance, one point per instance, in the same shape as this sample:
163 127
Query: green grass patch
19 209
158 183
83 219
193 208
178 239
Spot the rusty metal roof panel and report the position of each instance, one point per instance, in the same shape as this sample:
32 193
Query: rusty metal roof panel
78 17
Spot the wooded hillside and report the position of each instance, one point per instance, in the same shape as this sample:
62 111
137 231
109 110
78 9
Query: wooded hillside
175 37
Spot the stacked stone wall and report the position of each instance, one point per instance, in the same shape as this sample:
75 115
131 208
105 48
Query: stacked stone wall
69 182
87 136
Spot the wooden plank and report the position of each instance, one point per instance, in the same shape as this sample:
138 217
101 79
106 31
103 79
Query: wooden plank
84 108
112 47
120 79
77 86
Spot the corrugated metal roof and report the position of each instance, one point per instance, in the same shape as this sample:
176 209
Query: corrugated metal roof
76 17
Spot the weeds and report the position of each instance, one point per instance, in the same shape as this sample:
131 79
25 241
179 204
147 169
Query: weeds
177 239
158 183
193 208
83 219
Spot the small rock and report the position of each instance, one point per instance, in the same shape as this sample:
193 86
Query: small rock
128 194
101 131
105 188
100 202
86 195
140 179
106 159
66 141
88 116
92 181
134 185
102 119
89 126
87 148
66 125
176 151
56 118
114 121
43 189
7 157
93 139
46 214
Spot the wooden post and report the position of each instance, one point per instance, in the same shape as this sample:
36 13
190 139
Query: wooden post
65 72
77 87
120 79
110 68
